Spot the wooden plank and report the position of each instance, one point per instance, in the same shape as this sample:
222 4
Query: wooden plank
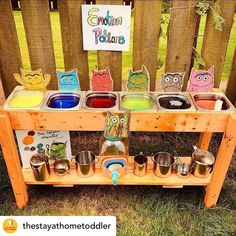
204 140
10 57
231 85
221 166
36 18
140 121
111 59
181 36
147 17
215 42
10 152
129 179
72 39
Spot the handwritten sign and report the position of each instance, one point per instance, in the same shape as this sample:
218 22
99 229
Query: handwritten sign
106 27
30 142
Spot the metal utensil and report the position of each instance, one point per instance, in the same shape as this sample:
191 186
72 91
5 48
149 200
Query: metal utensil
61 167
140 165
85 163
163 162
202 162
40 166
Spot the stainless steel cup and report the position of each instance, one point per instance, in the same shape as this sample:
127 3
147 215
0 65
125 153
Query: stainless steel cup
163 162
140 165
61 166
40 166
202 163
85 163
183 170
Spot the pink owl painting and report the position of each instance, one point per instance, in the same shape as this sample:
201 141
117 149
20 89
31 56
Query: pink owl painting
201 81
101 80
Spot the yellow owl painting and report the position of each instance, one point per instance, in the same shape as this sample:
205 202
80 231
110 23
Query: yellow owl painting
33 80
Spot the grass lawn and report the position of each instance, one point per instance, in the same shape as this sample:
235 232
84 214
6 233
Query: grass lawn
127 56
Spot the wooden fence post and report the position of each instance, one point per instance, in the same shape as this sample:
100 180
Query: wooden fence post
215 42
10 57
72 39
147 18
111 59
10 153
38 31
181 36
231 85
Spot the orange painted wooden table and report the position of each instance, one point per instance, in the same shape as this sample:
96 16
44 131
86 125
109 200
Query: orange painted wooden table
160 121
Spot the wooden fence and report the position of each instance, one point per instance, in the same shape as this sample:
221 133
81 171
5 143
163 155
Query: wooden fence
147 19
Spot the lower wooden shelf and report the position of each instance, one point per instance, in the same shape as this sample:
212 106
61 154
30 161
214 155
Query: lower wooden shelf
129 179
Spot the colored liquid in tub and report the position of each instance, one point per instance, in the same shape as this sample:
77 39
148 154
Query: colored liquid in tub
137 102
174 102
63 101
104 101
26 100
207 102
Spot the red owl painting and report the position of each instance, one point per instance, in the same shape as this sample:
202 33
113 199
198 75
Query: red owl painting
101 80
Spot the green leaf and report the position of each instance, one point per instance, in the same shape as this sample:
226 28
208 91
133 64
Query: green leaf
219 20
202 7
199 59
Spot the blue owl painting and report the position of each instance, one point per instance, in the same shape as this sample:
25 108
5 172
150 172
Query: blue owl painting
68 80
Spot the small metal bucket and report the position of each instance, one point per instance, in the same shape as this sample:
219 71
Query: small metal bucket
85 163
40 166
140 165
183 170
163 162
202 163
61 166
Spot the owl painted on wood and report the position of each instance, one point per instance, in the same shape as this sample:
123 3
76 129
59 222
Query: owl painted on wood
201 81
68 81
138 81
101 80
172 82
117 124
33 80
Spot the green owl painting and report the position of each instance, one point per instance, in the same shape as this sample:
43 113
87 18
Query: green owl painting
117 124
138 81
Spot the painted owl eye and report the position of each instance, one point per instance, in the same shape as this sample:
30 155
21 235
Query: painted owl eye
114 120
175 79
198 78
205 77
167 79
122 119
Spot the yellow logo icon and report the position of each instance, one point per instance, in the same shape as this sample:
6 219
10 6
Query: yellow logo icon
9 226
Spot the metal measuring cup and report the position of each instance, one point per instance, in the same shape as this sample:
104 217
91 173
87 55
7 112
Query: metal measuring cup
202 162
182 169
61 167
140 164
